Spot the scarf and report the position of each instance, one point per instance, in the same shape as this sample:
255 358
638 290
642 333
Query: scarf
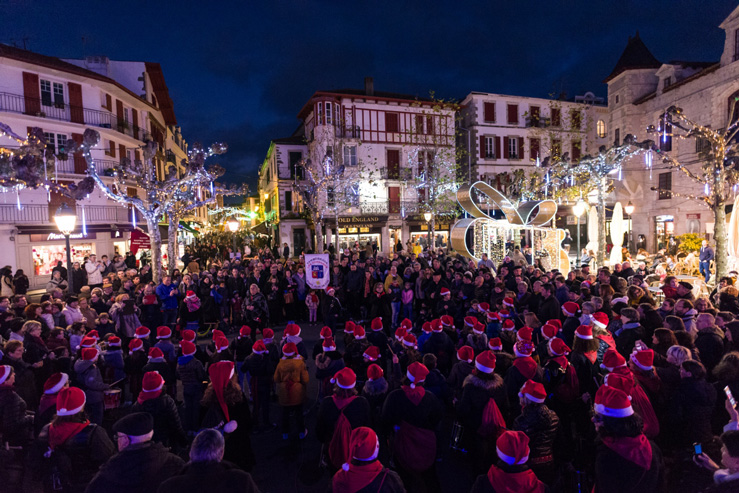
147 396
39 341
414 395
60 433
193 303
592 356
357 477
341 403
183 360
634 449
514 482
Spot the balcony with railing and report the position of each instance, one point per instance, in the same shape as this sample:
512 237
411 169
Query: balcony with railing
39 214
395 173
348 132
537 122
402 207
16 103
102 166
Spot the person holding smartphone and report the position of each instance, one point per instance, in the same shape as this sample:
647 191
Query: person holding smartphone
727 478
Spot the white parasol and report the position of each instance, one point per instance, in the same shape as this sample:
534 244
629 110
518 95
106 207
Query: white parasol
733 235
617 233
592 230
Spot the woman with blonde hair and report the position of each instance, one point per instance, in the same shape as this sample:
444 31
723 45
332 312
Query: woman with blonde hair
125 315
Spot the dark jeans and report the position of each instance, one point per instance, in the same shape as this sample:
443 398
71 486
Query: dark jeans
704 266
299 420
169 318
191 413
95 412
260 397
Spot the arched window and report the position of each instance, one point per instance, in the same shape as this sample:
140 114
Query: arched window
600 128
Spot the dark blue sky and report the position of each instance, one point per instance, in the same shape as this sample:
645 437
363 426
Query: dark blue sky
241 71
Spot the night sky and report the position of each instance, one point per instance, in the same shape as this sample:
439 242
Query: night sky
240 71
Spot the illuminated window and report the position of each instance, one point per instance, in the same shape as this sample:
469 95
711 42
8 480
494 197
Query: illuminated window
600 129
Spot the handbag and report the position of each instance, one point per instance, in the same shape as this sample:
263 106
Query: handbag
289 297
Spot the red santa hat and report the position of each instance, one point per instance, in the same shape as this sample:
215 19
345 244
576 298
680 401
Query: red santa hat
328 344
94 334
525 334
359 332
55 383
376 324
447 320
513 447
164 332
292 330
549 331
221 344
508 301
155 353
470 321
478 328
445 292
135 345
188 335
556 322
523 349
325 332
558 347
5 371
416 373
259 347
584 332
491 315
600 319
484 306
70 401
152 382
188 348
87 342
363 446
643 359
244 331
289 349
504 313
570 308
190 295
406 324
142 332
624 383
410 340
268 335
90 354
508 324
400 333
612 359
220 374
465 353
427 327
330 291
349 327
372 353
533 391
114 341
345 378
374 372
217 333
609 401
485 362
495 344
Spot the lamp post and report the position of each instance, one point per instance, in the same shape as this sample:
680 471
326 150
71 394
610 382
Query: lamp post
629 209
578 209
428 216
233 226
65 219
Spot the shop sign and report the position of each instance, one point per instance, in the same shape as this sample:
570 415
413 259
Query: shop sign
317 270
60 237
694 216
139 240
362 221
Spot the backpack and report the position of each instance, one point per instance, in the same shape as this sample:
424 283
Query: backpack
338 448
492 423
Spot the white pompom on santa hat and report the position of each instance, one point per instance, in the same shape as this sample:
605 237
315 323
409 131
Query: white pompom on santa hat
220 374
363 446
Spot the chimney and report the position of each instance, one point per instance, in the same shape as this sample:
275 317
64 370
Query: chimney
369 86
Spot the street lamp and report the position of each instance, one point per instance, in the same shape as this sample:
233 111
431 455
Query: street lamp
579 210
629 209
65 219
427 216
233 226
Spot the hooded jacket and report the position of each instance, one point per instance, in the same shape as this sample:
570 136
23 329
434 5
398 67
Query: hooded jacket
291 380
91 381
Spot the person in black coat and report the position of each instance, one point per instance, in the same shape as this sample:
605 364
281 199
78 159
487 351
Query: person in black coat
630 332
153 400
440 345
709 341
260 368
691 407
549 308
378 305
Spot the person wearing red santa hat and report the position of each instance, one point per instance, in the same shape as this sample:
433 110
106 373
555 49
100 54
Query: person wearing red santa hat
222 351
164 342
476 337
353 355
47 407
363 471
228 411
338 415
113 363
375 391
291 381
584 358
461 369
510 473
292 334
508 335
563 389
318 346
91 381
503 359
260 368
639 399
571 311
191 372
547 331
190 313
158 363
16 423
241 347
72 438
441 345
482 409
541 424
134 366
625 459
524 368
273 347
153 400
414 414
377 337
328 362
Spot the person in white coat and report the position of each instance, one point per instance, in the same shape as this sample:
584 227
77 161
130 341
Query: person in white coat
94 270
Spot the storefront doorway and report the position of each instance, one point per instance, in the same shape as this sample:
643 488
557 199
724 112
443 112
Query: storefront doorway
664 228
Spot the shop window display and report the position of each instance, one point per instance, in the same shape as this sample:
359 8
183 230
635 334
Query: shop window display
45 257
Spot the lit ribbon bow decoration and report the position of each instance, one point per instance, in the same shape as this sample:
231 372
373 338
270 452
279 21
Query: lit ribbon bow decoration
534 214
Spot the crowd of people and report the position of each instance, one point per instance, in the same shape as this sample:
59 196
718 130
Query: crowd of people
540 380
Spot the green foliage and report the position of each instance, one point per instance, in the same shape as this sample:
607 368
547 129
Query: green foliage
689 242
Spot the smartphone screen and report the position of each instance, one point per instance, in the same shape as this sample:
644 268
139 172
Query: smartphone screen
698 449
729 395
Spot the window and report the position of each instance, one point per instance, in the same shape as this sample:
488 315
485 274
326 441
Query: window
667 82
513 148
556 117
430 125
575 119
556 147
393 164
736 45
419 125
330 197
391 122
421 163
489 112
512 114
350 155
328 114
665 185
534 146
52 93
490 147
617 98
702 145
288 200
576 147
600 129
294 158
534 113
55 142
617 137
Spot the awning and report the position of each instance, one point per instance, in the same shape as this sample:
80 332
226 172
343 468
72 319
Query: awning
184 225
261 228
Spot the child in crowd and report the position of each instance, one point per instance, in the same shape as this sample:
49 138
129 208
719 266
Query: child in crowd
76 332
311 302
406 299
105 326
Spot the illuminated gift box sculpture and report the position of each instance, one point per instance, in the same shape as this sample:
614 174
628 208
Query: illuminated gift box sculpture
490 235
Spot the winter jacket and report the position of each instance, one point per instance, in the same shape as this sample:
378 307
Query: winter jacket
615 474
483 485
441 345
90 380
627 336
689 412
357 412
291 380
398 408
549 309
260 369
190 371
476 393
460 371
167 426
386 481
139 468
540 424
14 423
197 477
126 324
238 443
168 302
114 364
94 273
710 343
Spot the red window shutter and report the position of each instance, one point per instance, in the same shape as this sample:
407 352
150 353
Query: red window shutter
135 123
482 147
393 164
421 195
489 112
391 122
31 93
121 151
513 114
137 155
108 102
421 162
497 147
576 150
119 109
394 196
75 103
506 150
520 148
534 112
430 125
533 148
80 165
556 117
112 148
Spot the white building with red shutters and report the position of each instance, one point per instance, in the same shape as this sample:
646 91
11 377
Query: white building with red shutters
126 102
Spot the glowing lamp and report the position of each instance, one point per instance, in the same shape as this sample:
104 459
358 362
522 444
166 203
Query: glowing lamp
233 225
629 209
579 208
65 219
427 216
